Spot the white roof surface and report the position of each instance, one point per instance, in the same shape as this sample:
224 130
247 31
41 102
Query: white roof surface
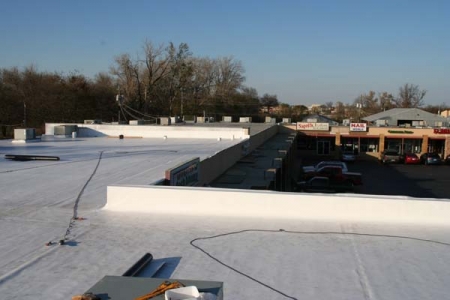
309 260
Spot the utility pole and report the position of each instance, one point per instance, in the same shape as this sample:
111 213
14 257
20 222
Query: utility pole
24 115
181 110
359 106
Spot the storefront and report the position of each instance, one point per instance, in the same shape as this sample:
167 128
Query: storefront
372 140
321 145
315 138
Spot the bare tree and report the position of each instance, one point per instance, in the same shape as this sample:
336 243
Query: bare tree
156 61
410 95
340 111
269 101
228 75
180 73
386 100
369 104
299 110
138 78
250 92
201 85
127 73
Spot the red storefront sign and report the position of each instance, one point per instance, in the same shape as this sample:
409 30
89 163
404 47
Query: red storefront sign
442 130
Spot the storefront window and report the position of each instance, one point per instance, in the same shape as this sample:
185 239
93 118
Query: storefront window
436 146
412 146
393 144
349 144
369 145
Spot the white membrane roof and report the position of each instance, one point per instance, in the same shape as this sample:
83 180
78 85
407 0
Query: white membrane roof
307 259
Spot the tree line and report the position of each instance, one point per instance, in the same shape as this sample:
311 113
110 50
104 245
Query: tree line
30 98
409 96
163 80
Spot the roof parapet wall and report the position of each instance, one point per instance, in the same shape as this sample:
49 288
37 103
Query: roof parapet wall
276 205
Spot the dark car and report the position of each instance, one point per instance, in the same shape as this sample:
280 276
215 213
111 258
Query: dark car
430 159
348 156
447 160
390 156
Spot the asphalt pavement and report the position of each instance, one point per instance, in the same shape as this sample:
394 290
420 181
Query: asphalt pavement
398 179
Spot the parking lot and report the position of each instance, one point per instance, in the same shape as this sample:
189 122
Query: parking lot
398 179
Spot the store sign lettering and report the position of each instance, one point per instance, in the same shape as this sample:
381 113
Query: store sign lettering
185 174
358 127
442 131
313 126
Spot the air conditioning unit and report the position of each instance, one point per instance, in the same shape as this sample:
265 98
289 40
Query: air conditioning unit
136 122
65 129
24 134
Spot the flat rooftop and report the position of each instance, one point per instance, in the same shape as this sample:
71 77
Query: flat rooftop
258 253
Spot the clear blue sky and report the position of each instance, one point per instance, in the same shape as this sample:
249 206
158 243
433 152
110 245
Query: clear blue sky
304 51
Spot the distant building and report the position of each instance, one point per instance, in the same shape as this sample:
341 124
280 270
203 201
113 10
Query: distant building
316 118
404 129
406 117
445 113
315 108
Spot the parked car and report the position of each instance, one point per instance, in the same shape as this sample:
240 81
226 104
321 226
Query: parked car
348 156
390 156
324 185
447 160
336 174
341 164
430 158
409 159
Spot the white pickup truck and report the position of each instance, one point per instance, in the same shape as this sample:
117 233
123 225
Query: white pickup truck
341 164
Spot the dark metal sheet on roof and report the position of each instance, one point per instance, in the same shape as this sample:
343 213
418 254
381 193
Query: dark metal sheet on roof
126 288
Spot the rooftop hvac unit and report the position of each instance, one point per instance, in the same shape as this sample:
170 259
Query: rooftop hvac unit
381 122
201 119
270 120
93 121
136 122
227 119
245 119
165 121
65 129
24 134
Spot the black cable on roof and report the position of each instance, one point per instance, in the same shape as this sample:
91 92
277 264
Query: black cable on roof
77 201
295 232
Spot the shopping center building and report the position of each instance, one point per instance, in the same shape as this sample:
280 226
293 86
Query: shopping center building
402 129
